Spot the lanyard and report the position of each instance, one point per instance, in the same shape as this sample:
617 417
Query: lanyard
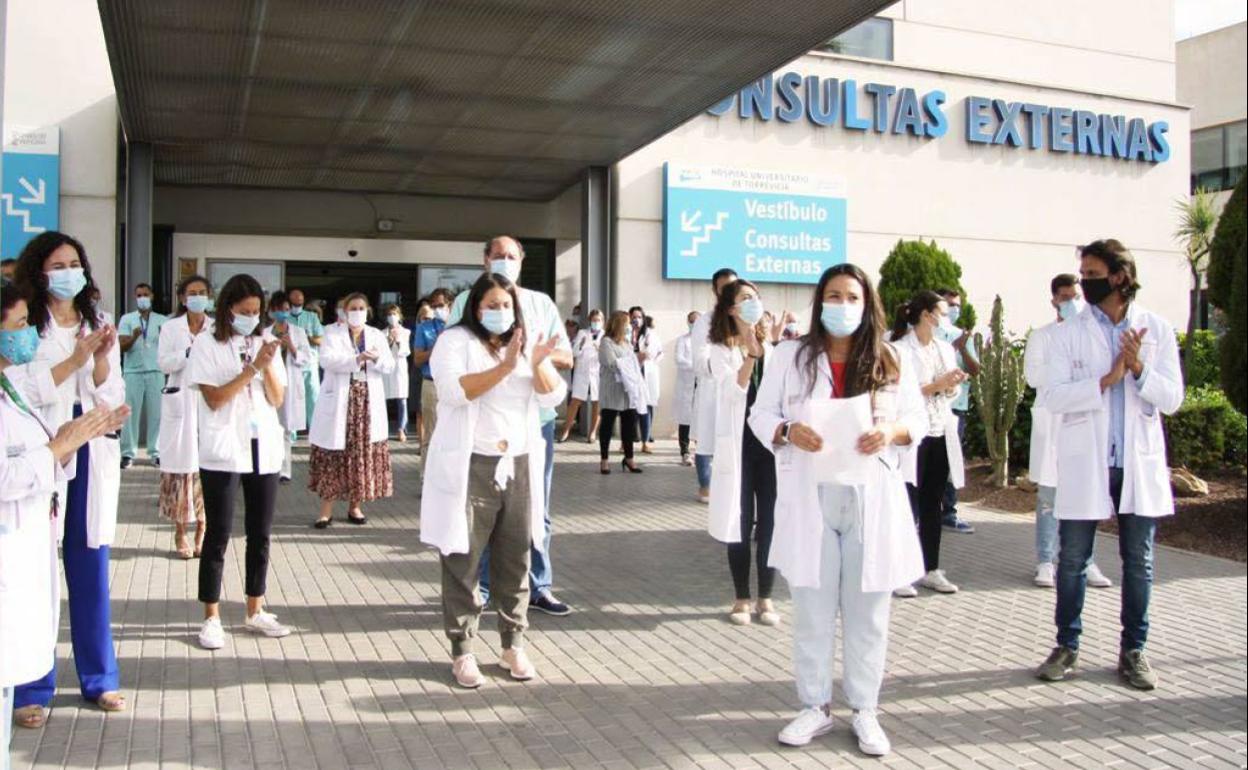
14 395
143 322
359 348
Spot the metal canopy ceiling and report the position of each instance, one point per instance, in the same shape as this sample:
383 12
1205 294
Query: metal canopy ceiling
499 99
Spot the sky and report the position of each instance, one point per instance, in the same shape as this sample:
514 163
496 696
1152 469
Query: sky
1196 17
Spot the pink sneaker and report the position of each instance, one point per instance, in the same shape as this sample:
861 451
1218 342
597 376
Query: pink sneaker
467 673
516 661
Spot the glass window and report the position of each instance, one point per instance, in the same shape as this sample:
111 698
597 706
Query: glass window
870 39
1218 156
1236 151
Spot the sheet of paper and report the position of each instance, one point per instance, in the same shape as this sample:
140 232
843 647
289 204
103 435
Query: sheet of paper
840 421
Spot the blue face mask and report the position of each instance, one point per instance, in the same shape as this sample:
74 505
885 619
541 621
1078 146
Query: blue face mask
18 345
198 303
1071 308
509 268
244 324
67 283
281 316
751 311
955 312
498 321
143 303
841 320
595 326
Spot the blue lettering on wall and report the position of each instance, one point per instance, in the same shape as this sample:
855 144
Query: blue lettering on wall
1007 113
790 103
1161 146
977 120
881 94
1036 114
933 107
1114 136
850 98
909 120
1086 140
1060 129
823 100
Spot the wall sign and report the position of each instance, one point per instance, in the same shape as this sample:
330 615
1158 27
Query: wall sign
30 192
769 226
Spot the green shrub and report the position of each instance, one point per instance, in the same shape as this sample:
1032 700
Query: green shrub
975 442
1228 236
1206 432
1201 357
1235 341
916 265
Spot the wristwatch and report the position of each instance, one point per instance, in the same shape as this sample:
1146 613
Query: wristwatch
784 432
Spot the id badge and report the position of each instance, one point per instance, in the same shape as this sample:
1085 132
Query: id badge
14 450
359 376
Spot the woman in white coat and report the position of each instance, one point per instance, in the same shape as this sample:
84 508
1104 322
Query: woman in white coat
1115 372
585 376
398 381
483 483
77 367
34 464
622 391
842 544
686 382
350 433
938 458
296 351
649 350
743 473
238 373
181 494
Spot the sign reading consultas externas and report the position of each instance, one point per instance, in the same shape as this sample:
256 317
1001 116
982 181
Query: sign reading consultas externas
886 109
769 226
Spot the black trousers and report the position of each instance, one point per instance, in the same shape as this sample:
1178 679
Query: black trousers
628 431
758 519
259 494
927 498
682 435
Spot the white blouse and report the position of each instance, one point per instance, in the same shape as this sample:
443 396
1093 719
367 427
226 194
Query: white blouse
502 428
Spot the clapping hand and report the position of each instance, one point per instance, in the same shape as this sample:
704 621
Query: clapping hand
86 345
107 338
265 357
542 349
95 423
512 354
1131 341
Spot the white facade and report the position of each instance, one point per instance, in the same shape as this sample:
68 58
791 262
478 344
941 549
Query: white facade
1212 72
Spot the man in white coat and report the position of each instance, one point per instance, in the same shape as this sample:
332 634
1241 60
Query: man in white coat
703 428
1114 372
1067 303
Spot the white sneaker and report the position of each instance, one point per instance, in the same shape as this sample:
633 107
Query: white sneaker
810 724
936 581
265 623
704 497
1046 575
871 737
211 634
905 592
1096 578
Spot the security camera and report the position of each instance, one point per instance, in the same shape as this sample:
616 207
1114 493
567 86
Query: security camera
352 253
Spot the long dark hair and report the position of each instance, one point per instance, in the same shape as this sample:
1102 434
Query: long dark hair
909 313
723 325
180 291
30 277
240 287
476 295
872 364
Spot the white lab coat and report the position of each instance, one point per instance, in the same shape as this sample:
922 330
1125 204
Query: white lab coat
703 428
1079 357
909 348
444 490
588 367
1044 424
179 416
294 411
225 434
55 405
684 379
329 416
652 346
30 580
724 519
398 381
891 554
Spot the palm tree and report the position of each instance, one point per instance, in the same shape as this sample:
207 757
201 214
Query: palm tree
1197 220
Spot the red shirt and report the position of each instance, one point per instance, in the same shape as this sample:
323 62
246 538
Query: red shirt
838 379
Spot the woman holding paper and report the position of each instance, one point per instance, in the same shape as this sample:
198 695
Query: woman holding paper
743 472
845 542
939 455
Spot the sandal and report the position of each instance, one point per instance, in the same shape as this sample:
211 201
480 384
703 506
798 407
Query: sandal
200 529
30 717
111 701
181 546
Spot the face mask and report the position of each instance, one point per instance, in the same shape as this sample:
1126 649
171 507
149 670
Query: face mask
595 326
508 268
244 324
1070 308
342 314
498 321
442 313
198 303
955 312
1096 289
295 310
19 345
356 318
143 303
281 316
751 311
841 320
790 329
65 284
393 320
635 323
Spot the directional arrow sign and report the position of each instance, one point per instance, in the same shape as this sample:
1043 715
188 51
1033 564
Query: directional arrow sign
30 191
36 194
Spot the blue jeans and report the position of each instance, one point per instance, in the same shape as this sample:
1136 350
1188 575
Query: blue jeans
1046 525
949 504
1135 545
702 463
541 571
400 413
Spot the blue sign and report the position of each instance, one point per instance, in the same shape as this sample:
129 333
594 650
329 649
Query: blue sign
769 226
30 194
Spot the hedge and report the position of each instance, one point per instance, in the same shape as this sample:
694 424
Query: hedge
1202 358
1207 432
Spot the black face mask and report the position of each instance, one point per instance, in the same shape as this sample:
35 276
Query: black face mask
1095 290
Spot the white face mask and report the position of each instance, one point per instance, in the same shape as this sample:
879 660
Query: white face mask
509 268
442 313
356 318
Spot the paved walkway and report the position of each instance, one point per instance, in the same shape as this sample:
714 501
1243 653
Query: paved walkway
647 674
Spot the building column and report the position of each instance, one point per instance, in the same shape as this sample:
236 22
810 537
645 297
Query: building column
138 258
596 213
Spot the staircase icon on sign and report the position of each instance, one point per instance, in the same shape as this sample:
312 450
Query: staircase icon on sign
36 196
689 224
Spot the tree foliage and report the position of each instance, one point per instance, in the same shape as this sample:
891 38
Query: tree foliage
1227 239
915 265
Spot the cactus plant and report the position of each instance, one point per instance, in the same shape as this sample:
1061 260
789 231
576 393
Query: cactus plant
997 391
